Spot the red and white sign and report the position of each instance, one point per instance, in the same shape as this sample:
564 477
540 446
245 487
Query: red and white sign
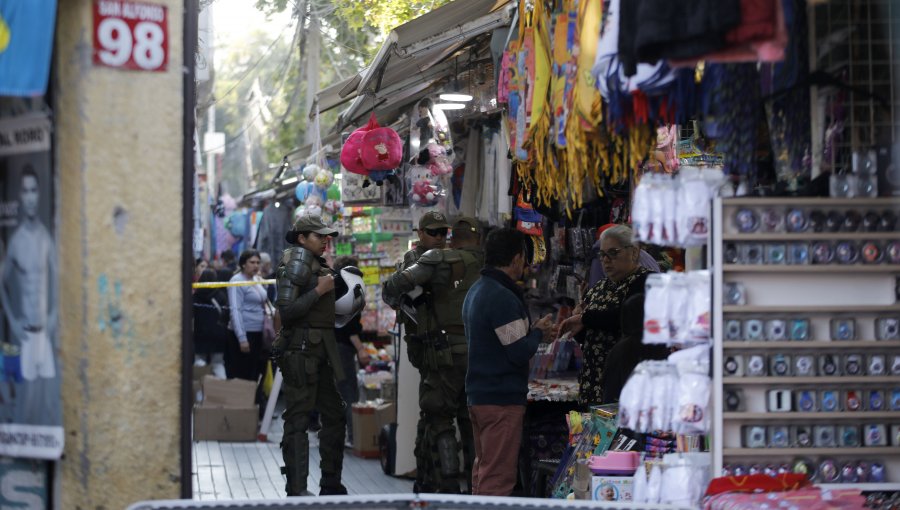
131 35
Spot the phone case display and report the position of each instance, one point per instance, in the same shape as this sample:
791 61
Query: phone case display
674 211
676 309
805 302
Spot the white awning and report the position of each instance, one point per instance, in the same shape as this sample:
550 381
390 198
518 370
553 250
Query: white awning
413 52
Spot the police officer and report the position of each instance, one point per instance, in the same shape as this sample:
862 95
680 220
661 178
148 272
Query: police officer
445 276
432 233
306 352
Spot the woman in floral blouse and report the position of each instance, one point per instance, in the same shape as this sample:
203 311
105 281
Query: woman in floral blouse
599 313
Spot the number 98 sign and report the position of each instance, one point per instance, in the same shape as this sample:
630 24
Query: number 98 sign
130 35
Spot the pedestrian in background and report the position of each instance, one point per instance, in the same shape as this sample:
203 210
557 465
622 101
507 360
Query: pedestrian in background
243 353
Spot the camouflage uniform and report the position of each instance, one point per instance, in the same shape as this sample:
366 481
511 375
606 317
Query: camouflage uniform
306 352
445 276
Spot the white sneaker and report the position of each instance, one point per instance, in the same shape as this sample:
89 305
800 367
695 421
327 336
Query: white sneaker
199 362
218 370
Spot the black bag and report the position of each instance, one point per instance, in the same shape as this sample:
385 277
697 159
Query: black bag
224 312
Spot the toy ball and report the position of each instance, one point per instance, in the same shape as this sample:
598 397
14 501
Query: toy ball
334 192
313 199
314 210
303 190
381 149
311 171
350 152
324 179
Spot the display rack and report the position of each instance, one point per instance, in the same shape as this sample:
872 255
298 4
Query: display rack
817 293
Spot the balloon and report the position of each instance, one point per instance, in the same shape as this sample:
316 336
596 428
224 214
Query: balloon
333 206
299 211
310 172
313 199
334 192
314 210
324 179
303 190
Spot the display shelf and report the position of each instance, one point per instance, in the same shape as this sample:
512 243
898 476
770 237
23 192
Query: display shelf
859 379
824 268
812 236
812 202
845 309
799 416
818 292
798 344
777 452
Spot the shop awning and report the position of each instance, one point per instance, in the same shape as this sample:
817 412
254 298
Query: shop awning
412 51
337 94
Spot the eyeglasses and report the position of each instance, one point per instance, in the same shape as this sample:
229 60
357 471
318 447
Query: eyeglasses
612 253
436 232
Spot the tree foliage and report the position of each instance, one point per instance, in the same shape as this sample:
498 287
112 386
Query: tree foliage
382 15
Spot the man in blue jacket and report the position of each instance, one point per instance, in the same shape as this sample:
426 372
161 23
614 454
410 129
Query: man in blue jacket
501 341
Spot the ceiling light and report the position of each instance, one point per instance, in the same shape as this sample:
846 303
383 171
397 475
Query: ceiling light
449 106
453 96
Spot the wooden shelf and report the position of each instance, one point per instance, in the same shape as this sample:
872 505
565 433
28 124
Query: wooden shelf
800 416
848 309
861 451
812 201
799 269
855 379
788 237
798 344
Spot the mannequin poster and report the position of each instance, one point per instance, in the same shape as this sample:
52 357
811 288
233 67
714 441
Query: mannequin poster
30 404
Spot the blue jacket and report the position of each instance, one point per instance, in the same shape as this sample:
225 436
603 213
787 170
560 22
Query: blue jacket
501 341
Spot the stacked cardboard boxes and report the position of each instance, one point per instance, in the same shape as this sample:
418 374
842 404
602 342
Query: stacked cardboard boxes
368 419
227 412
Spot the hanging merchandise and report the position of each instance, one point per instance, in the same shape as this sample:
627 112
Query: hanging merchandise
425 190
310 172
324 179
381 149
677 308
435 157
730 112
528 220
428 126
351 152
671 211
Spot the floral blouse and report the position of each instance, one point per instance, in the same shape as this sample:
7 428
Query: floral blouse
603 329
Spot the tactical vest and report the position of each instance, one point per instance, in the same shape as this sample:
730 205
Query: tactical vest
449 287
409 326
321 314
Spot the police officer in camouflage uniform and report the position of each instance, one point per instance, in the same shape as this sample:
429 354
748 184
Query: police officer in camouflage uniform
306 352
432 232
445 276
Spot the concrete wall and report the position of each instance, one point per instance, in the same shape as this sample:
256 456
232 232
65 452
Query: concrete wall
119 160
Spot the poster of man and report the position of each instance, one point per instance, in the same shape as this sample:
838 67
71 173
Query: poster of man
30 405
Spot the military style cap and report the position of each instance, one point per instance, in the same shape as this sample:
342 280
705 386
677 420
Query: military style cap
466 223
433 219
309 223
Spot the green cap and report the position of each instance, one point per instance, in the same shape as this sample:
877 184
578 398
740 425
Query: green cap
466 223
433 219
309 223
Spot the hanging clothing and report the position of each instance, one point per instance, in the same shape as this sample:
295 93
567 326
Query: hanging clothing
472 179
276 221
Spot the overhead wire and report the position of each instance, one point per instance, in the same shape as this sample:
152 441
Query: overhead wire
248 71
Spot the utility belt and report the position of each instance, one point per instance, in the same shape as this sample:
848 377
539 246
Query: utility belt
291 353
440 346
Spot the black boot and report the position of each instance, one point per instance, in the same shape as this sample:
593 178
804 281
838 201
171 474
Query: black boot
332 486
295 451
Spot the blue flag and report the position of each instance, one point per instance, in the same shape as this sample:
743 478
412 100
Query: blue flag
26 43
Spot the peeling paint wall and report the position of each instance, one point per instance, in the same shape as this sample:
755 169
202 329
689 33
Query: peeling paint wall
119 159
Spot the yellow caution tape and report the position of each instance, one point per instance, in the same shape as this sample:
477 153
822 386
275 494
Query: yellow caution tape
218 285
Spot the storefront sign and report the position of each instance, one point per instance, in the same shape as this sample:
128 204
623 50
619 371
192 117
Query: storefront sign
26 40
131 35
30 404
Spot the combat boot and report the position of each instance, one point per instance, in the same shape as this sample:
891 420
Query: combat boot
331 486
448 455
295 451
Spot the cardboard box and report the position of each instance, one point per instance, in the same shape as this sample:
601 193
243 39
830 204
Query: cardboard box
200 372
228 393
218 423
368 419
612 488
228 411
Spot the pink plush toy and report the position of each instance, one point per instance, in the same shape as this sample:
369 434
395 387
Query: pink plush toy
350 152
382 149
438 162
424 193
